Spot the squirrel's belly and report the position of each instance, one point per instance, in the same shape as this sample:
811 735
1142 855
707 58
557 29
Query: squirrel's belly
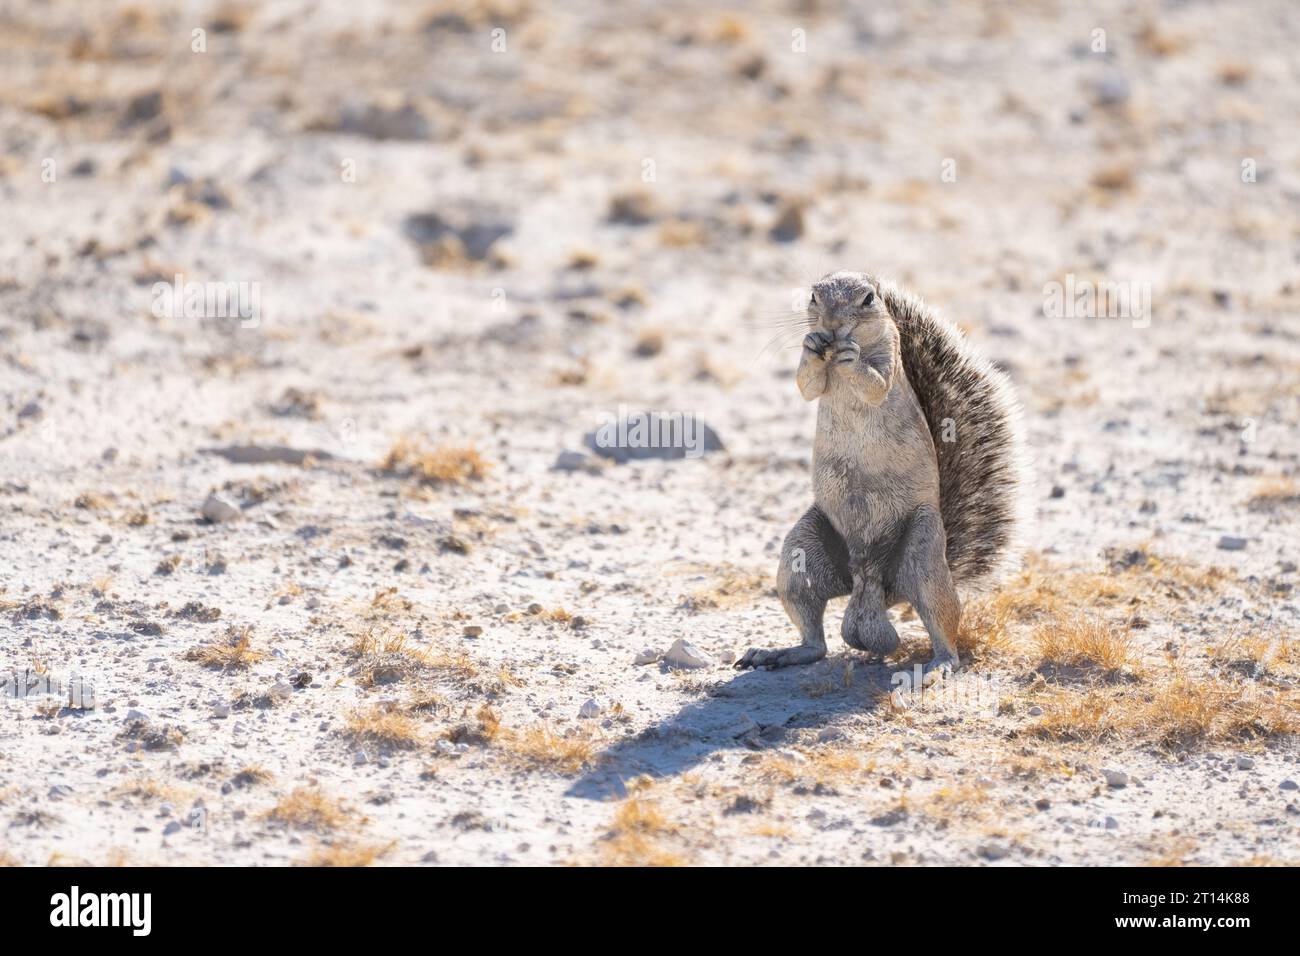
868 473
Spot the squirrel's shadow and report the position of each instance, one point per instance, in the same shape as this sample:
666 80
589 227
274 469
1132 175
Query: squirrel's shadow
781 703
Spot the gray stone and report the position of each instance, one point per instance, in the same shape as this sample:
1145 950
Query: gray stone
218 510
685 656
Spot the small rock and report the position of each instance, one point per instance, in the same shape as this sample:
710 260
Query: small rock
360 758
1115 778
993 851
1111 90
217 510
1288 785
472 630
221 711
1230 543
390 118
789 224
647 656
59 791
744 726
173 827
1035 711
576 461
685 656
1112 823
144 107
1245 763
589 710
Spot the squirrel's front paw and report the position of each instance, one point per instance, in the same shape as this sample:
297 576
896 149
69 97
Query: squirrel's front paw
817 343
846 352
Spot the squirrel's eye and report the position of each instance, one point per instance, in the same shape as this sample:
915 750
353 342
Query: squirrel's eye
814 298
870 298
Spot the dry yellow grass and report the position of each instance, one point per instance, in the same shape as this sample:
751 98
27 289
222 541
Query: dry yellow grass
540 746
637 834
146 789
1182 713
309 808
251 774
1043 591
381 650
348 854
824 765
731 587
1086 642
444 465
235 652
984 630
1257 655
384 726
949 801
1274 492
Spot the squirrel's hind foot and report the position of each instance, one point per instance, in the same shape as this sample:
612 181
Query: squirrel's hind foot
941 668
784 657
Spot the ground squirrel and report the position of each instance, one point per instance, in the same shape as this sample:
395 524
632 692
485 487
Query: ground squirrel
919 473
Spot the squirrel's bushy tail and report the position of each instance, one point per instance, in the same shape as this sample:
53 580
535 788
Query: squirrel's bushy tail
974 419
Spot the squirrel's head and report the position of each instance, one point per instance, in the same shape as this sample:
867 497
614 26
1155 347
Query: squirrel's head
846 302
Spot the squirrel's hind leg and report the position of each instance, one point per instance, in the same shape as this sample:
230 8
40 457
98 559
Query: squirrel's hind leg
924 580
814 568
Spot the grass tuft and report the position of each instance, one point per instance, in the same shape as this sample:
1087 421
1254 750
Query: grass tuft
444 465
233 653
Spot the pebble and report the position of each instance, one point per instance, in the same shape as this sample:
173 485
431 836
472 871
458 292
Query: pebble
1245 763
472 630
1115 778
576 461
173 827
1289 785
1035 711
647 656
1231 543
221 711
1112 89
993 851
589 710
743 727
218 509
685 656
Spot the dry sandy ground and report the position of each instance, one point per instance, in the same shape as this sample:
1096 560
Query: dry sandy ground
383 657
